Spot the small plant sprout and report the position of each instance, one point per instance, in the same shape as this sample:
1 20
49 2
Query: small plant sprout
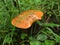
27 18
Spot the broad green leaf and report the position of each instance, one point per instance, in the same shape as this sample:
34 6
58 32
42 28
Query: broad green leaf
42 37
49 42
34 42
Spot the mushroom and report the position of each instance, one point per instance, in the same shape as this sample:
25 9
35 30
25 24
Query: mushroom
27 18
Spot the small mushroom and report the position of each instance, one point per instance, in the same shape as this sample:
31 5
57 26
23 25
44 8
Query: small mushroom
27 18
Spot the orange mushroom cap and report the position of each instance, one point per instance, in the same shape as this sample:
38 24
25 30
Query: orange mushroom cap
27 18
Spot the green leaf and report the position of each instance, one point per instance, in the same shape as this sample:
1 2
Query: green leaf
49 42
47 24
34 42
42 37
50 24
